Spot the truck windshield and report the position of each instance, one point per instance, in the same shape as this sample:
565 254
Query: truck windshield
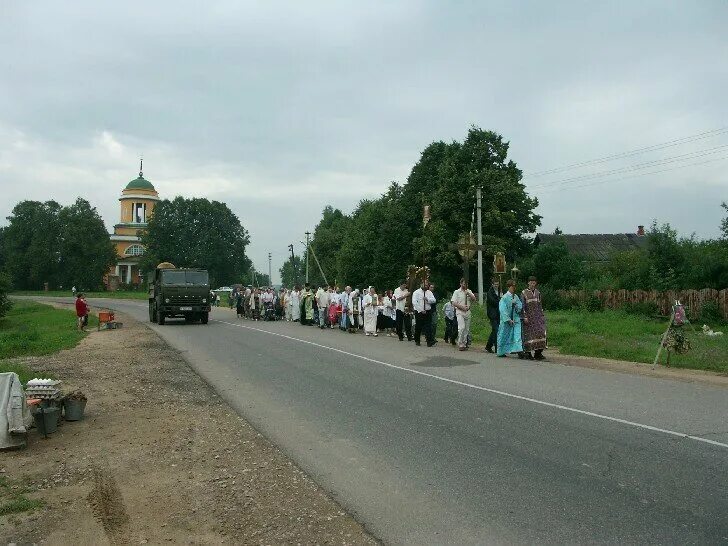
197 278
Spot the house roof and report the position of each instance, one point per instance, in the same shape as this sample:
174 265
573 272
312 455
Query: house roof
595 247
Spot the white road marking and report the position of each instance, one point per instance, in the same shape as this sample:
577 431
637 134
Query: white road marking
486 389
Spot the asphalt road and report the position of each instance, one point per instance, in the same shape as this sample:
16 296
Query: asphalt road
431 446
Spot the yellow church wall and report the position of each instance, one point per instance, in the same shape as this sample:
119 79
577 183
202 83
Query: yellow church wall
121 230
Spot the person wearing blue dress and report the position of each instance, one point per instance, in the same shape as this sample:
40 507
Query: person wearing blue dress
509 329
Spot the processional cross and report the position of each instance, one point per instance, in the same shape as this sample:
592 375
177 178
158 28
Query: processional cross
467 248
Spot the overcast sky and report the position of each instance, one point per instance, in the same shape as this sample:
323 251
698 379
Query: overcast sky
281 108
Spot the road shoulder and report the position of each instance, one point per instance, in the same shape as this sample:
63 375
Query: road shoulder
160 457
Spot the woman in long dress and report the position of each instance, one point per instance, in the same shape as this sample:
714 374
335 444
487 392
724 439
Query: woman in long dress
389 313
509 330
370 313
239 308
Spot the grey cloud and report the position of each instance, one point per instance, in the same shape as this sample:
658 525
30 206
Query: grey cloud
279 108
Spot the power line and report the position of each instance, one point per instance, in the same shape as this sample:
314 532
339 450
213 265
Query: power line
654 147
636 167
599 182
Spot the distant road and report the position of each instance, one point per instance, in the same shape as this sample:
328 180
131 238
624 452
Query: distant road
431 446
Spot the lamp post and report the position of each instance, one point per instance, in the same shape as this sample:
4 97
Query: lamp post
270 278
293 264
308 236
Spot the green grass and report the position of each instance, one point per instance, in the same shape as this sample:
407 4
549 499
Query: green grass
24 373
13 501
120 294
32 329
619 336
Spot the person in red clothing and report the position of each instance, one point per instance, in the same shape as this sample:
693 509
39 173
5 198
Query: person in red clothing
81 311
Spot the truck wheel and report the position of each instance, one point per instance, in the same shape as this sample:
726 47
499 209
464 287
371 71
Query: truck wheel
160 318
152 318
204 318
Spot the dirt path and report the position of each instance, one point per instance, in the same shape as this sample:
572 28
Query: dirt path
160 458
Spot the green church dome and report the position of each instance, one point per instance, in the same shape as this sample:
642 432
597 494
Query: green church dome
140 183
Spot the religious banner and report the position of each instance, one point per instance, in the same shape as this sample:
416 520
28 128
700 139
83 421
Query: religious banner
499 263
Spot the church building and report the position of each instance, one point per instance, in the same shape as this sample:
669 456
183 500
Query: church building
137 203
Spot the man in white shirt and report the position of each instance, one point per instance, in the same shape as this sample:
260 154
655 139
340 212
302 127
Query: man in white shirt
400 297
461 299
322 300
422 302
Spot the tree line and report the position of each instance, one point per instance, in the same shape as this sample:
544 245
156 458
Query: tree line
63 246
378 241
67 246
197 233
668 262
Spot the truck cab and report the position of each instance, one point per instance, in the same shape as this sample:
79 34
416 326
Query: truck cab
177 292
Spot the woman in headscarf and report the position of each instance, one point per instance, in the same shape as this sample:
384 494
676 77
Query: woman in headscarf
239 307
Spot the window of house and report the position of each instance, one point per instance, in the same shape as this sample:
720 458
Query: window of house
134 250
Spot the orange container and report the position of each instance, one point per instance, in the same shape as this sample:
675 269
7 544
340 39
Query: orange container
106 316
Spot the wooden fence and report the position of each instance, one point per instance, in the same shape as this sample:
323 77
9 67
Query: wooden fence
693 300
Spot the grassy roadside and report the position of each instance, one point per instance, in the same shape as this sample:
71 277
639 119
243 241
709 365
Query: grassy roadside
13 500
617 335
32 329
121 294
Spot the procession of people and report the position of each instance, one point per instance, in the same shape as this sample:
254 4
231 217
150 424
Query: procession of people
518 324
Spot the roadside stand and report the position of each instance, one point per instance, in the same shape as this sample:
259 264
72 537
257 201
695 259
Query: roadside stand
41 404
107 320
44 398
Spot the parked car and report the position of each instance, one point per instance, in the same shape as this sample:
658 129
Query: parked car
223 289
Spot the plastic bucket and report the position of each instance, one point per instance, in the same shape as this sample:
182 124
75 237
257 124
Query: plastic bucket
73 409
46 419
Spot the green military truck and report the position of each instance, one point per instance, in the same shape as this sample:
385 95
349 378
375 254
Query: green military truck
179 293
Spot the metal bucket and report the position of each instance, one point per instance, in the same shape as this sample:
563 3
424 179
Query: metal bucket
73 409
46 419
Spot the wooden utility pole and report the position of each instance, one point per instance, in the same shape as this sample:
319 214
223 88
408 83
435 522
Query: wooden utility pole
480 249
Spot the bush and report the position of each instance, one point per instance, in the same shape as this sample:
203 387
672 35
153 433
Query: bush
642 308
710 313
592 304
553 301
5 303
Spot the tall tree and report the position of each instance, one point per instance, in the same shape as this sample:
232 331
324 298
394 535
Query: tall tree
5 303
327 239
197 233
385 235
724 221
508 212
31 244
86 253
292 272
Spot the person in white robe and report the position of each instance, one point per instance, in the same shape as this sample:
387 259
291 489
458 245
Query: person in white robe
370 313
296 304
287 304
